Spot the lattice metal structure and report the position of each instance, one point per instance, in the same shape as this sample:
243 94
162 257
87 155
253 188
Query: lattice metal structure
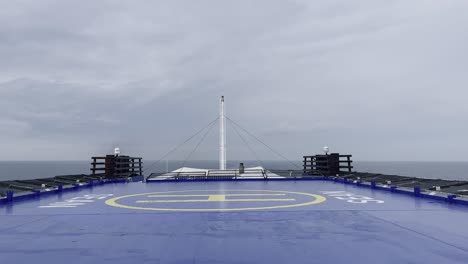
330 164
116 166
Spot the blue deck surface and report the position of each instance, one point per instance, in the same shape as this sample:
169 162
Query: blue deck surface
233 222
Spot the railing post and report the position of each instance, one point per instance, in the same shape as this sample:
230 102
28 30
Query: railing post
94 166
305 164
349 163
451 198
141 166
9 196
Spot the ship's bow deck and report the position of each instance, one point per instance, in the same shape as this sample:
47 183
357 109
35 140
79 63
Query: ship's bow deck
233 222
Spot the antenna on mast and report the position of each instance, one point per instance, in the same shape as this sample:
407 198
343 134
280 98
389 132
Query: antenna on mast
222 136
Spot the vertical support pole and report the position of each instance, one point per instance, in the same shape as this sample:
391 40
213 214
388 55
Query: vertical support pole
349 163
141 166
9 196
417 191
222 136
373 184
304 164
94 166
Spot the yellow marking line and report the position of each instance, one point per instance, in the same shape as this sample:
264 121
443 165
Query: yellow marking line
205 195
216 199
316 199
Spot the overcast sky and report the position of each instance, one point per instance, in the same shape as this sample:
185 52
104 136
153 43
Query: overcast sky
382 80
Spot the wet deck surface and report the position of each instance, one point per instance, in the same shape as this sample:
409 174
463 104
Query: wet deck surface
233 222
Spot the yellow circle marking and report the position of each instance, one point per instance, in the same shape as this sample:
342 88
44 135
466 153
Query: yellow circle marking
113 202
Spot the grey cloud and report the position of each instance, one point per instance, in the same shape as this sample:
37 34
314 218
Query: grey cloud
379 79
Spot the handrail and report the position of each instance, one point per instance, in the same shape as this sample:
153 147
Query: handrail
232 174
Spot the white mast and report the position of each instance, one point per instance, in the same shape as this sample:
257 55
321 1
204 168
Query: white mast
222 137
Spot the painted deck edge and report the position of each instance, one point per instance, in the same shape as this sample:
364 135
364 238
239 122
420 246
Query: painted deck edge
449 198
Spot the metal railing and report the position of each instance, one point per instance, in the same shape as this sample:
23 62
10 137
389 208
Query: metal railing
433 186
230 174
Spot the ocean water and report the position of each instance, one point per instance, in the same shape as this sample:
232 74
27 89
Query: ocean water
20 170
